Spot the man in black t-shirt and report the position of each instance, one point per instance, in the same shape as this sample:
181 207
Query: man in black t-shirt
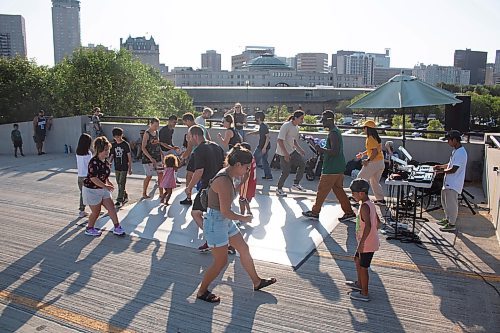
262 149
166 134
120 153
208 160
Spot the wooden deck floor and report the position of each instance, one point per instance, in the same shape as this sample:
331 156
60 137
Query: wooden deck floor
54 279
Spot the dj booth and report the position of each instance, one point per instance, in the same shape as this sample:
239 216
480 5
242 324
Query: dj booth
408 180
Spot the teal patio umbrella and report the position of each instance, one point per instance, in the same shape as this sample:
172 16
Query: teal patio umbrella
404 91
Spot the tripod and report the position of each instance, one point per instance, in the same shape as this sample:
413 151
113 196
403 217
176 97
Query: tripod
463 197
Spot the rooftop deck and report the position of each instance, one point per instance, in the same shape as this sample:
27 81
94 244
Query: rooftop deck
55 279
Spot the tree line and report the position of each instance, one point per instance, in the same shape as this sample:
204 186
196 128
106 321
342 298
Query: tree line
113 80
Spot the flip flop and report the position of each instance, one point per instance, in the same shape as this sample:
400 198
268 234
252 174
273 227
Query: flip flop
209 297
265 283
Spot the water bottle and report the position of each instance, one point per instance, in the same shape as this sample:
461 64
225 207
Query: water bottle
70 150
65 149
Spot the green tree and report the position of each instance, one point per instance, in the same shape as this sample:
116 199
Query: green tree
22 89
309 119
397 122
434 125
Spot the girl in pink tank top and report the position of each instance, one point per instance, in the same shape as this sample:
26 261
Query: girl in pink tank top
367 224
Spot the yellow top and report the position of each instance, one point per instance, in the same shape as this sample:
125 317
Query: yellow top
372 143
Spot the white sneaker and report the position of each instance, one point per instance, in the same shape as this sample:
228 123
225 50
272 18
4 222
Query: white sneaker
83 214
280 192
298 187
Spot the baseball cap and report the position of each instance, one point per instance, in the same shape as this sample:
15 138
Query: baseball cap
359 185
369 123
453 134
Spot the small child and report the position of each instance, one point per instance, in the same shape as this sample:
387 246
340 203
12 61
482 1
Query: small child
168 181
122 156
367 224
247 189
17 140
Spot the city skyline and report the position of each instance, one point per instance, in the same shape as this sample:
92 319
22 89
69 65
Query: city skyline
429 32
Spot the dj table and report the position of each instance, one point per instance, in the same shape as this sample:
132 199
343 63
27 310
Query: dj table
420 178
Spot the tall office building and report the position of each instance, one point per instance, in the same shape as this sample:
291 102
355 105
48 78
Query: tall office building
12 36
65 27
358 63
474 61
145 50
312 62
381 60
251 52
497 62
211 60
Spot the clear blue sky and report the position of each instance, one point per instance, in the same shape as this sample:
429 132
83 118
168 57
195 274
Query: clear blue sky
424 31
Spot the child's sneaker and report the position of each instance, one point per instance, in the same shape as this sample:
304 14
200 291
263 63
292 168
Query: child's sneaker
92 232
118 230
83 214
298 187
204 248
359 296
310 214
280 192
118 204
353 285
347 217
231 250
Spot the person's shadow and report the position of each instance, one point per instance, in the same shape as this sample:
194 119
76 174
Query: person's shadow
58 261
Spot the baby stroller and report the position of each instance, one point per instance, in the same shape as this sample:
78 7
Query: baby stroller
315 163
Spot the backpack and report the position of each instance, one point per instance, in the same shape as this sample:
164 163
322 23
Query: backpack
204 192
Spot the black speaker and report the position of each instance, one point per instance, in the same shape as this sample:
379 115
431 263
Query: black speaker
457 116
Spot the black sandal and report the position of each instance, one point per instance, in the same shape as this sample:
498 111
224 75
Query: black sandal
209 297
265 283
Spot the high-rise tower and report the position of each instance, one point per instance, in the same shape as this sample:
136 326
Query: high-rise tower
65 27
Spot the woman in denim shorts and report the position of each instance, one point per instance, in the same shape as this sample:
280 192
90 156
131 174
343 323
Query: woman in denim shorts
219 227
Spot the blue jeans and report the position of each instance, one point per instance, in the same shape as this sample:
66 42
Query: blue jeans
265 163
217 229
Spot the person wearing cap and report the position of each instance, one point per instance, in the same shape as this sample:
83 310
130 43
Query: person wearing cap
367 225
332 173
453 184
374 165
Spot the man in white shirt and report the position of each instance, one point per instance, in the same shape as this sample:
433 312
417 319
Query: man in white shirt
454 177
206 114
290 152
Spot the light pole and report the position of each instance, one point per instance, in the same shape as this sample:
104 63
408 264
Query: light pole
247 83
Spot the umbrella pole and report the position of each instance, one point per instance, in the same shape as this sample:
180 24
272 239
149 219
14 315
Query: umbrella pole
404 125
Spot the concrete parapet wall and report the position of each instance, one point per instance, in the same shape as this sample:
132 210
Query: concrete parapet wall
63 131
492 184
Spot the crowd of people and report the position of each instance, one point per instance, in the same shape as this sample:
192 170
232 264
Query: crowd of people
227 168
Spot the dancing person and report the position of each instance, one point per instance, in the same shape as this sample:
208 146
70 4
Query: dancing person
453 184
187 155
240 119
248 185
151 156
367 225
97 188
121 155
83 157
374 165
40 124
231 136
207 113
262 149
166 134
17 140
332 172
208 159
168 183
136 146
290 152
220 229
